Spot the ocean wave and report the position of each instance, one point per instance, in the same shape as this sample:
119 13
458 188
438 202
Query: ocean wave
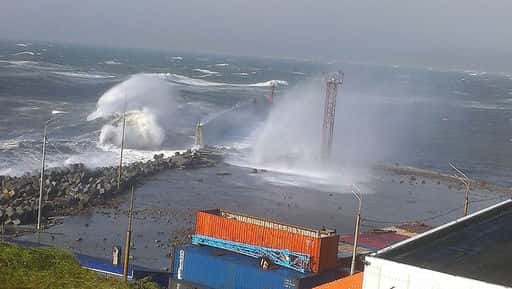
221 64
147 100
241 73
475 73
83 75
22 44
130 155
9 144
206 71
177 58
112 62
142 131
484 106
19 62
185 80
26 53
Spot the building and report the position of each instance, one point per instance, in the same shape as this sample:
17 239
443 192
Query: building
474 252
375 240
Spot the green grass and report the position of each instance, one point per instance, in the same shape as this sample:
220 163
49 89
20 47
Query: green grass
51 268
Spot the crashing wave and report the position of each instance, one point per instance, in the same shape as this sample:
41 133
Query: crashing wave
142 131
146 99
206 71
185 80
83 75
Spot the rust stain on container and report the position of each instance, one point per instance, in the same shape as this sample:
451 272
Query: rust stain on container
321 245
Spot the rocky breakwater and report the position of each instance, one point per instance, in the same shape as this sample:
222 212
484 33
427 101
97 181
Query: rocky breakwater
69 190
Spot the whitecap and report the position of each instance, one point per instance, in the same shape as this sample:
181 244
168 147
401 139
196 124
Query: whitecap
206 71
83 75
185 80
25 53
112 62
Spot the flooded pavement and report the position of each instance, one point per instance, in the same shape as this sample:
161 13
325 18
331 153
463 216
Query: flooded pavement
165 208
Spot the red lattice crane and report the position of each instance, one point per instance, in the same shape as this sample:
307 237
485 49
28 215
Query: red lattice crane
333 81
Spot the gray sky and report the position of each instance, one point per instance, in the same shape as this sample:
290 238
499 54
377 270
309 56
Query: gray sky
438 33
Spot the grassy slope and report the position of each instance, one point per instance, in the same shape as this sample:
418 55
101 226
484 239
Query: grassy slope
50 268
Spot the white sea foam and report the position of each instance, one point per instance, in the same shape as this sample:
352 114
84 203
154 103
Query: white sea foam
221 64
144 131
483 106
475 73
177 58
131 155
241 73
206 71
9 144
25 53
147 99
83 75
185 80
112 62
22 44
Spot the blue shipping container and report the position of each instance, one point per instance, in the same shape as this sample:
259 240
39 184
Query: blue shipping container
220 269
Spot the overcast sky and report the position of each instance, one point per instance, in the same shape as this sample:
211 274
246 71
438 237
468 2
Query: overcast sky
437 33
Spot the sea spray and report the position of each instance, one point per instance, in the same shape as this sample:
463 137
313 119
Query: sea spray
185 80
290 136
143 131
147 99
218 114
289 142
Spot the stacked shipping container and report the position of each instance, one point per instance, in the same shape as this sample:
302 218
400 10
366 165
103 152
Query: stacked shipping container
220 269
321 245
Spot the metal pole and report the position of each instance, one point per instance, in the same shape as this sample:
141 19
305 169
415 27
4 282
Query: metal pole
466 200
171 266
41 178
128 239
356 231
3 231
122 148
467 183
271 100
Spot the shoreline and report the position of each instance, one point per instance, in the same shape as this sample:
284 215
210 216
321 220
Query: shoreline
74 189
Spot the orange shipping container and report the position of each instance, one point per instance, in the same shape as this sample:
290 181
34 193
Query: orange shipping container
350 282
321 245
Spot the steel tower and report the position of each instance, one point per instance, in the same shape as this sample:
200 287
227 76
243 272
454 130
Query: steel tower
333 81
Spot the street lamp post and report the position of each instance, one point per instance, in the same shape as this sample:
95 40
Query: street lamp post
358 196
43 159
120 171
467 184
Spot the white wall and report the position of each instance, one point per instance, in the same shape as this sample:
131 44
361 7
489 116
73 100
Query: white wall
385 274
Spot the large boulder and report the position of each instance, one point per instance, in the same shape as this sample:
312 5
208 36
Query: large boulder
9 212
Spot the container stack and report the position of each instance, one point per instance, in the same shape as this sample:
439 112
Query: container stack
232 250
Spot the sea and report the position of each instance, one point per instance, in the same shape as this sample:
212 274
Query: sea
266 114
416 116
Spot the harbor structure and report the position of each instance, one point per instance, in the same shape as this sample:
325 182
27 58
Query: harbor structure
198 141
332 83
468 253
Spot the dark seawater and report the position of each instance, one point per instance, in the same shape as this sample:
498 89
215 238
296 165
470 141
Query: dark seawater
385 114
413 116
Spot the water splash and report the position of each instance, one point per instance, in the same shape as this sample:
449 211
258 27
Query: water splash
147 100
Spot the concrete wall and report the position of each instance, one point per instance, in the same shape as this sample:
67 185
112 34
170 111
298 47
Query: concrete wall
384 274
